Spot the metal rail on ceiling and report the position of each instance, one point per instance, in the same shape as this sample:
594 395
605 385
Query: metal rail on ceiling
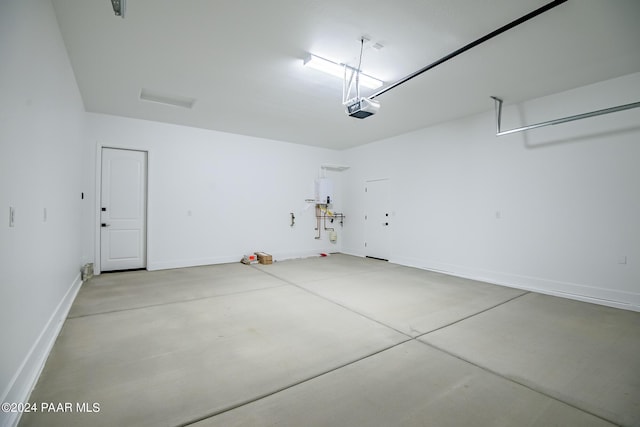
498 107
473 44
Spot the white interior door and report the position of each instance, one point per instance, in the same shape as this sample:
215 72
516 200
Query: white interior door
123 210
377 219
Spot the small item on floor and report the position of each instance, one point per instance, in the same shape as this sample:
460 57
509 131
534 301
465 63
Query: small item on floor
264 258
87 271
249 259
323 254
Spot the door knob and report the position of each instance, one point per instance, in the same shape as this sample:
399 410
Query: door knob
105 225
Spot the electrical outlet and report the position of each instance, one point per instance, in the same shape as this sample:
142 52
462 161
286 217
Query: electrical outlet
622 259
12 216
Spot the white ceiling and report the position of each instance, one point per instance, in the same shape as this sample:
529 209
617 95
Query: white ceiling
242 60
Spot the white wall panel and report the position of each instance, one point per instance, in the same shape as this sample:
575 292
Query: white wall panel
41 152
555 209
215 196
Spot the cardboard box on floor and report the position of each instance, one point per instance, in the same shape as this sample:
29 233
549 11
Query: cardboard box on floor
264 258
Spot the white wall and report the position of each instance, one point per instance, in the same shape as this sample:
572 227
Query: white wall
215 196
567 196
41 122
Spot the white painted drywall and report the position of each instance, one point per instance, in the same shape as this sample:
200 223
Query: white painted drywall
215 196
41 124
555 209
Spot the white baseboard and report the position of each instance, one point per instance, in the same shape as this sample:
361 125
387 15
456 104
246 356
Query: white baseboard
26 377
309 253
183 263
277 256
352 252
581 292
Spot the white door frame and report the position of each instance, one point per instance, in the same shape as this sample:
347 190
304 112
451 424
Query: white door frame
97 268
367 224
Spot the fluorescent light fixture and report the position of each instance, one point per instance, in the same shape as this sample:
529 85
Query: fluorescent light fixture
337 70
177 101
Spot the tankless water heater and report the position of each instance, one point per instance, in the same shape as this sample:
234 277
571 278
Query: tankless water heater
324 191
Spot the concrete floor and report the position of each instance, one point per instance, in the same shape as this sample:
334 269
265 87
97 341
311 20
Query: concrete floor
336 341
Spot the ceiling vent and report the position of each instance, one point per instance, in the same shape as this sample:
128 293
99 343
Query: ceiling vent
163 98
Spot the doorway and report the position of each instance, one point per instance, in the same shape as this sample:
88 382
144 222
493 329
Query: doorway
377 219
123 210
